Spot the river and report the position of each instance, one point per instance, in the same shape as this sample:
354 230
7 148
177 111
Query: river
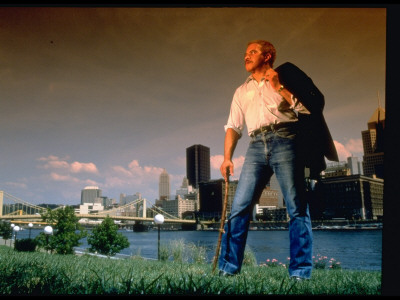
354 249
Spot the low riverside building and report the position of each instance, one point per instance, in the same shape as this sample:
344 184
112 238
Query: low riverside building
179 206
349 197
355 197
89 208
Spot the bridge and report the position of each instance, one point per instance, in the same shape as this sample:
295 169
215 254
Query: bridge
20 211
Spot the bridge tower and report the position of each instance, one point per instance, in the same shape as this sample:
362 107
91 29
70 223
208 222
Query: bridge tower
144 208
142 204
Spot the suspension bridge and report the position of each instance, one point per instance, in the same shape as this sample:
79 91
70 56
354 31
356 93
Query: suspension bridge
20 211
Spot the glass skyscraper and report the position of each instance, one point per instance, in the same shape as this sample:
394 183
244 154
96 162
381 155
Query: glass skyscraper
373 144
197 164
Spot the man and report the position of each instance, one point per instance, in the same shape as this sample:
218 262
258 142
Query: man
270 111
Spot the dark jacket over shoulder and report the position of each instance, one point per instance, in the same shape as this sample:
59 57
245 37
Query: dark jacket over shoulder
316 142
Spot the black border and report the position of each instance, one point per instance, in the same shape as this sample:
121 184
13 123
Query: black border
391 218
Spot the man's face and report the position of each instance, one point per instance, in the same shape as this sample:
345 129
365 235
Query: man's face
253 58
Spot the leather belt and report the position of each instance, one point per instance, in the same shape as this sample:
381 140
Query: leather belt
270 128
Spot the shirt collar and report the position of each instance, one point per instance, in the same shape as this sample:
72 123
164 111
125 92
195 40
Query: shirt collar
250 78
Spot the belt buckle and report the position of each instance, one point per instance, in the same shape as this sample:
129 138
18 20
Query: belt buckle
263 129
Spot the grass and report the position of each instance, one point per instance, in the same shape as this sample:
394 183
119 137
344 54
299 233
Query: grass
38 273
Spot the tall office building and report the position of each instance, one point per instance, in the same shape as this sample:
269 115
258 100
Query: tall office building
163 186
197 164
354 165
91 194
372 139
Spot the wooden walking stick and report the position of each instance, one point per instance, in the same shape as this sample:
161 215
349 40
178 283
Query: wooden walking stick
221 229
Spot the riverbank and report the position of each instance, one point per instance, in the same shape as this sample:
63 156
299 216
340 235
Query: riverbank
316 225
333 224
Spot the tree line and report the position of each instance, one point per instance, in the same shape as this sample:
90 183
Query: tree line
103 239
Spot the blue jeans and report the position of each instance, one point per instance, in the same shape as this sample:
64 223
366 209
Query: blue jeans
269 153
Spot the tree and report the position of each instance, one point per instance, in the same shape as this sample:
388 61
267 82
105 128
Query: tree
106 240
67 231
5 231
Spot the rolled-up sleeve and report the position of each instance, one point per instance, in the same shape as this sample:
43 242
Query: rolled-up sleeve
236 119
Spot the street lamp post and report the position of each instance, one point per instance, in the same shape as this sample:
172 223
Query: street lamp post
48 230
16 229
12 228
30 228
159 219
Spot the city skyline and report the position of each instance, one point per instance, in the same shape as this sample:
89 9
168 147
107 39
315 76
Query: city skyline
110 97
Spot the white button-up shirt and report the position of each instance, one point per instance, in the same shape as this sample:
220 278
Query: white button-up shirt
258 104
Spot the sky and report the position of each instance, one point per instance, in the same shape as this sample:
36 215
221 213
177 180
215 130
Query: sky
111 96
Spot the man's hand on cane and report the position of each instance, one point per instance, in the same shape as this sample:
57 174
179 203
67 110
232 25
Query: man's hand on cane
226 169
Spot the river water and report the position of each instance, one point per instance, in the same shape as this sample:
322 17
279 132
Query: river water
354 249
